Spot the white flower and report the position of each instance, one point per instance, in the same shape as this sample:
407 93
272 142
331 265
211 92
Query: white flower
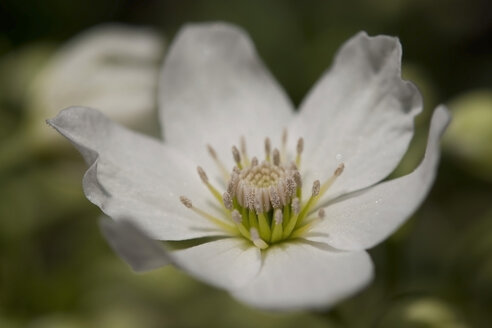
355 126
112 66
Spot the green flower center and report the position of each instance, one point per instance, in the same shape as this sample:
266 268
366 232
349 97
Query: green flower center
263 201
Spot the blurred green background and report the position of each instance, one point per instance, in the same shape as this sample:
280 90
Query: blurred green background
57 271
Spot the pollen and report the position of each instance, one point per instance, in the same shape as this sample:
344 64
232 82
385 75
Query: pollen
262 201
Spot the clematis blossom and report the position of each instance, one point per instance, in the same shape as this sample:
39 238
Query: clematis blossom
274 205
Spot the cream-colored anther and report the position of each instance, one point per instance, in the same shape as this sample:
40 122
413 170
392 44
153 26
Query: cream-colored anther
236 156
276 157
300 146
255 238
274 197
316 187
186 201
254 162
298 179
202 174
278 216
236 217
227 199
268 149
291 187
339 169
296 206
242 145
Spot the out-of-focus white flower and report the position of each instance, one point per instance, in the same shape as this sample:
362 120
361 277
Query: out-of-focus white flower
113 67
284 223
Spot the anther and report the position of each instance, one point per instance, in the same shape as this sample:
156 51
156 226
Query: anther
321 213
274 197
339 170
278 217
218 162
227 199
296 206
277 232
202 174
298 179
258 203
237 217
316 188
250 198
231 187
254 161
242 144
291 187
300 146
267 149
276 157
186 202
212 152
236 155
255 238
283 151
284 136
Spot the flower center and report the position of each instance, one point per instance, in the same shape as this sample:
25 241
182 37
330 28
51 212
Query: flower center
262 202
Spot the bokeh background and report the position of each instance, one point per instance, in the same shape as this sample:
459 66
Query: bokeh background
57 271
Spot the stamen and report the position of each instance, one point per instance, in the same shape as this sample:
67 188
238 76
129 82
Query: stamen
227 200
277 226
274 197
218 162
267 149
254 161
212 189
300 148
187 202
296 208
244 153
316 188
276 157
291 187
232 186
283 151
238 219
237 157
309 225
202 174
255 238
338 171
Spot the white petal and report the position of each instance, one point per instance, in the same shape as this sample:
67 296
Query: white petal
134 177
214 89
365 218
226 263
133 246
359 113
298 275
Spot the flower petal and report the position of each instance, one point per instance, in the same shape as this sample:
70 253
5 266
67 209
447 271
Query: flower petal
133 246
214 89
134 177
359 113
365 218
306 275
227 263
